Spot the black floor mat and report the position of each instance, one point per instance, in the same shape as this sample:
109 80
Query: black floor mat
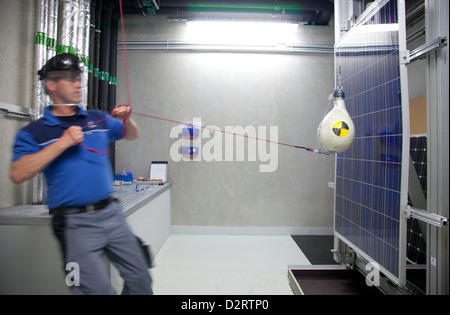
317 248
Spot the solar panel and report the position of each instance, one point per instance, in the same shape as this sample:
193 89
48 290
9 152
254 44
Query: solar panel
418 152
416 244
368 194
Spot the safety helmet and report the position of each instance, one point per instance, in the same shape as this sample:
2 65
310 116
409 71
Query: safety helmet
61 66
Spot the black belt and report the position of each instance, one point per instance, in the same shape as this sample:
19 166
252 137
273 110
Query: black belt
92 208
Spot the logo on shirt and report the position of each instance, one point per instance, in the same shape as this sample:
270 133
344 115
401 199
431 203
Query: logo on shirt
91 124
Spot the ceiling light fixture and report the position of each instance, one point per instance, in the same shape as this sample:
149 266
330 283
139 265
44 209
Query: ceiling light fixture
238 32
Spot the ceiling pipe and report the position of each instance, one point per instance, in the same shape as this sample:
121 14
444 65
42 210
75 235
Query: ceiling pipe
313 12
294 48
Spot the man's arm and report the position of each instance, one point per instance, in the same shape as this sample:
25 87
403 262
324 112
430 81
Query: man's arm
131 128
29 165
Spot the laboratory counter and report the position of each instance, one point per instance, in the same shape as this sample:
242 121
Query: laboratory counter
132 197
31 257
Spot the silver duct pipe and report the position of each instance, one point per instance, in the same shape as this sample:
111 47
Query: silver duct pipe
39 97
68 34
67 27
51 20
52 28
40 55
84 21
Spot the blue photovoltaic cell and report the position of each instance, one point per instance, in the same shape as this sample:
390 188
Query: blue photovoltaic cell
416 244
368 174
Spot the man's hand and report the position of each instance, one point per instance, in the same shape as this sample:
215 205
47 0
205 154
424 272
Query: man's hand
121 112
72 136
29 165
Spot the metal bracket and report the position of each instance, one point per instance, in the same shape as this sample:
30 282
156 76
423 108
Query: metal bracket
422 51
424 216
344 255
16 111
350 258
404 57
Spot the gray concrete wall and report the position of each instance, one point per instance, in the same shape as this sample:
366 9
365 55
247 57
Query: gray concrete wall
288 91
17 25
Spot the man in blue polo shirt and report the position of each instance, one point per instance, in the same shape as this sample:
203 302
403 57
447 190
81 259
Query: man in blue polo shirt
69 145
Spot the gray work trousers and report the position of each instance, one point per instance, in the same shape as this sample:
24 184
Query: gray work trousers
86 237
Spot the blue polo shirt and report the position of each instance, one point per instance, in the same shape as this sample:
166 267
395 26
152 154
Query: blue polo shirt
77 177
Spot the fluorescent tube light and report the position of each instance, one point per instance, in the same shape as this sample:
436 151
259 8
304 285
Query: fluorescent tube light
237 32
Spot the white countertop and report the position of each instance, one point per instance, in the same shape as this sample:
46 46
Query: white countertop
131 198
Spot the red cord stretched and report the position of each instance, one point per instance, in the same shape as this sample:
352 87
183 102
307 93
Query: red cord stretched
126 116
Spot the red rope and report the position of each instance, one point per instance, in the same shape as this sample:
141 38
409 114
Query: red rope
126 115
102 152
125 54
122 133
214 129
188 124
96 122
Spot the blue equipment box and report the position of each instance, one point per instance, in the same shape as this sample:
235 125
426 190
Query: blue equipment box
125 178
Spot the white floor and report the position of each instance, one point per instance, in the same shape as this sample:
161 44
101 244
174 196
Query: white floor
225 264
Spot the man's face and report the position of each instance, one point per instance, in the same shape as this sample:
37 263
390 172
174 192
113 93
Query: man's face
65 90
